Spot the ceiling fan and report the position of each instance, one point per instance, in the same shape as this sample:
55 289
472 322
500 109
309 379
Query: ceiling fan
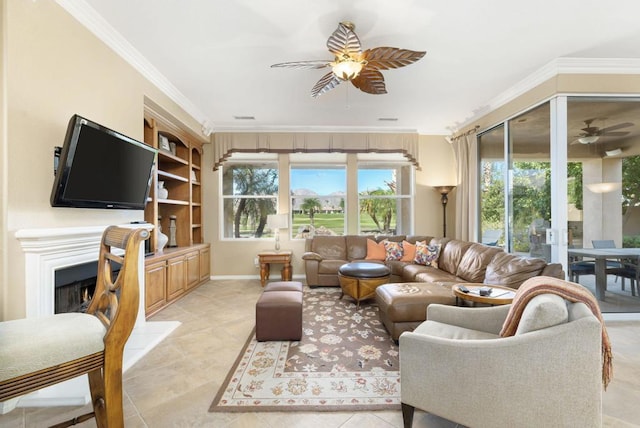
591 134
352 64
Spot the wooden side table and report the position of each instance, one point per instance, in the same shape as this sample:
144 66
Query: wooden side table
499 295
266 258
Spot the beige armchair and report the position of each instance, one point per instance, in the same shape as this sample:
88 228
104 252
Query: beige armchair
455 365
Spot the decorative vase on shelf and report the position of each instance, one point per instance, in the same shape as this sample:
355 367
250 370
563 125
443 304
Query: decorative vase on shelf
162 238
163 193
172 231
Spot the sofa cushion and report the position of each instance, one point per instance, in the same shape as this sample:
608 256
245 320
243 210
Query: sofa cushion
437 276
392 238
357 246
543 311
409 251
511 270
330 247
474 263
427 254
330 266
451 254
393 250
396 266
412 239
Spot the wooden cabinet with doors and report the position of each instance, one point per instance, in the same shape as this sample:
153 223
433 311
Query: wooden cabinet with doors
176 211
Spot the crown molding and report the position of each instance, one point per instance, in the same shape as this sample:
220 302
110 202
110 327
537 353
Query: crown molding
319 129
95 23
552 69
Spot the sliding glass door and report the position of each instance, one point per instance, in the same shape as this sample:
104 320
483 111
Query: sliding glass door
515 184
603 191
564 176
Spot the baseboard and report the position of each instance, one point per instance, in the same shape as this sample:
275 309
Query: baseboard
299 277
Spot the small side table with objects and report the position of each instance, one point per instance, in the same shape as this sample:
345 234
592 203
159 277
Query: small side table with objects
266 258
360 279
485 294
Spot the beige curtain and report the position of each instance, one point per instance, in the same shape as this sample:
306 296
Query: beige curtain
465 148
227 143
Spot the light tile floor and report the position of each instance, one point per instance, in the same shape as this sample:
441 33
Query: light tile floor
174 384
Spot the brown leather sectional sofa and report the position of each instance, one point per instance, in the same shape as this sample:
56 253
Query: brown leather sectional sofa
413 287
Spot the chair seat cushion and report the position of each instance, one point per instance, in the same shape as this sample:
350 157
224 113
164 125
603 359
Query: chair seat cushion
447 331
32 344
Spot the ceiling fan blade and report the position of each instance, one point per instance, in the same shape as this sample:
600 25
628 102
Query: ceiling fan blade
325 84
614 134
304 64
370 81
615 127
384 58
344 41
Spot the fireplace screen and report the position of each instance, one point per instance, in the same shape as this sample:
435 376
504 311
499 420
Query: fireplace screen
74 287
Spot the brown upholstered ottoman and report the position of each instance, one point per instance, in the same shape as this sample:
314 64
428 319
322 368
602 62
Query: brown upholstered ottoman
403 306
283 286
279 312
360 279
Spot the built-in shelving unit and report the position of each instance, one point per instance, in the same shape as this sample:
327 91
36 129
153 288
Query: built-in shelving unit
177 269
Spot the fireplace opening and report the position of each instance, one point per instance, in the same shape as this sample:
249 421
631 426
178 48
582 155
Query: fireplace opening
74 287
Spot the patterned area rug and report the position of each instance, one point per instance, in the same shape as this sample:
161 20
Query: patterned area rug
346 361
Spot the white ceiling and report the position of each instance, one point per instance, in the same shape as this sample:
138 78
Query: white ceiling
217 53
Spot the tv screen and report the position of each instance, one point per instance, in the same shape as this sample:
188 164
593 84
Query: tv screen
101 168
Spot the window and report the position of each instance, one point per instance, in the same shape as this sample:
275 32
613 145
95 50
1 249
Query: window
250 193
318 198
385 198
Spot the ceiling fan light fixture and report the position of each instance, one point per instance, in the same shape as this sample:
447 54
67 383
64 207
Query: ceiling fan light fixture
605 187
588 139
346 69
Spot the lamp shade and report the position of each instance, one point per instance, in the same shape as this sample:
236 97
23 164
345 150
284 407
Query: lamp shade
277 221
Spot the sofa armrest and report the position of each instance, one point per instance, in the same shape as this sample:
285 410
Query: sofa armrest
489 320
309 255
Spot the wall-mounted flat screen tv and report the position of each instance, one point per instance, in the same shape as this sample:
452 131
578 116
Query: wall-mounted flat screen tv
101 168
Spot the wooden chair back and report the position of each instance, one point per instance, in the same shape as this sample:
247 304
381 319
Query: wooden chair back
115 303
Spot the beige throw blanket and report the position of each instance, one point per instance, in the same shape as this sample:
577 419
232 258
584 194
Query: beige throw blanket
568 290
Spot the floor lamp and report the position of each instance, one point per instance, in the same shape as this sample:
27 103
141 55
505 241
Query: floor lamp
444 192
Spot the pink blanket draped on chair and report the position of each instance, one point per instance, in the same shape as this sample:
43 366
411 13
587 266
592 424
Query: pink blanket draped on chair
568 290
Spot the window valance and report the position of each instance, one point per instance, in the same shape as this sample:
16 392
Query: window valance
227 143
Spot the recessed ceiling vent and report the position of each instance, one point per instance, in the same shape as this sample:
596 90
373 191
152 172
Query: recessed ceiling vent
244 117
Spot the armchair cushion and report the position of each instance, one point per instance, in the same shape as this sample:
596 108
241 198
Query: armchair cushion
543 311
447 331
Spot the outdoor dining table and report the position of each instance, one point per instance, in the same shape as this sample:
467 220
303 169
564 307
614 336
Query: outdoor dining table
600 256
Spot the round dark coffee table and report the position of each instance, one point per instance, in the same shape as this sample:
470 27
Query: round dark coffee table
359 280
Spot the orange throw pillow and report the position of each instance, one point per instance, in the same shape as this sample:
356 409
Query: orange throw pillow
409 251
375 250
